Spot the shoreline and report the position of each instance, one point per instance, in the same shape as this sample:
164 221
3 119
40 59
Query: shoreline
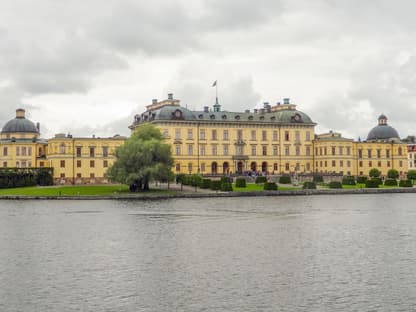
143 196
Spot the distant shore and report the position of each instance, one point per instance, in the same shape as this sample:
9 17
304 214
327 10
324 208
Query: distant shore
200 194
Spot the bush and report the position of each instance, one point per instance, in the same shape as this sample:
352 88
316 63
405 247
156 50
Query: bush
180 177
309 185
285 179
215 185
335 185
226 184
195 180
240 182
19 177
374 173
261 179
405 183
411 175
390 182
361 179
205 184
270 186
348 180
392 174
318 179
372 183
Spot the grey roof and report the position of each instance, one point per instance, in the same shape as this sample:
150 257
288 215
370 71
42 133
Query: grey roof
19 124
173 112
382 133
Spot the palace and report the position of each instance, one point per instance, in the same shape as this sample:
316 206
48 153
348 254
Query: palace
275 139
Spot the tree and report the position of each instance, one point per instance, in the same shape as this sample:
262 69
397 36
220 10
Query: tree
143 158
411 174
392 174
374 173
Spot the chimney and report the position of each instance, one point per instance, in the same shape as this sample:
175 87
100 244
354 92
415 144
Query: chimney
170 96
38 126
265 104
247 111
286 101
206 109
154 101
256 111
261 110
20 113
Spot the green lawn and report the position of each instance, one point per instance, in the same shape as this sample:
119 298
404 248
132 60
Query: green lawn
252 187
81 190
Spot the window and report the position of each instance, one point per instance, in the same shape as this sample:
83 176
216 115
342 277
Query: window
92 175
360 153
264 135
190 134
340 150
253 150
308 151
78 175
177 134
275 167
226 149
62 164
308 166
214 134
253 135
379 164
203 167
287 150
177 150
388 163
239 150
286 135
202 134
29 151
275 151
239 135
105 163
165 133
225 134
17 164
202 150
370 163
178 167
388 153
348 163
326 164
17 150
320 151
24 150
287 166
334 163
5 151
400 152
297 136
190 149
297 150
78 163
62 175
274 135
308 136
190 167
379 153
4 163
214 150
105 151
264 150
400 163
92 163
369 153
333 150
325 151
62 149
348 150
92 151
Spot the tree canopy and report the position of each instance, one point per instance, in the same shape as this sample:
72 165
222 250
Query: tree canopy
143 158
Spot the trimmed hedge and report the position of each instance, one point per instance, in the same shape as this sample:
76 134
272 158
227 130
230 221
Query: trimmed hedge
372 183
390 182
348 180
318 179
361 179
374 173
240 182
205 184
411 175
405 183
270 186
260 179
226 184
285 179
392 174
215 185
19 177
335 185
309 185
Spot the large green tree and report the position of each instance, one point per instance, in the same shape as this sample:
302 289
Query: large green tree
143 158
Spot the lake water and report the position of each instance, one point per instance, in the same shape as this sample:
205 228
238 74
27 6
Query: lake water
306 253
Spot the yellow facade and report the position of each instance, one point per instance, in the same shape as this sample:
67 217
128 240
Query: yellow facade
273 140
81 160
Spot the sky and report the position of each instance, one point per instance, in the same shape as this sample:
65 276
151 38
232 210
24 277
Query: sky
87 67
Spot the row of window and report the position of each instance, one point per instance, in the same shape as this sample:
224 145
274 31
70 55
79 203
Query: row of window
239 150
79 175
253 167
348 163
225 135
78 150
378 153
79 164
20 151
340 150
20 164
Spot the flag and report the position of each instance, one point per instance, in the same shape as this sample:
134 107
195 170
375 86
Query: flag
214 84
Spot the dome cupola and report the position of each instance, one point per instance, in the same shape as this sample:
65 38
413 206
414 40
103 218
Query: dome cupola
20 124
382 132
